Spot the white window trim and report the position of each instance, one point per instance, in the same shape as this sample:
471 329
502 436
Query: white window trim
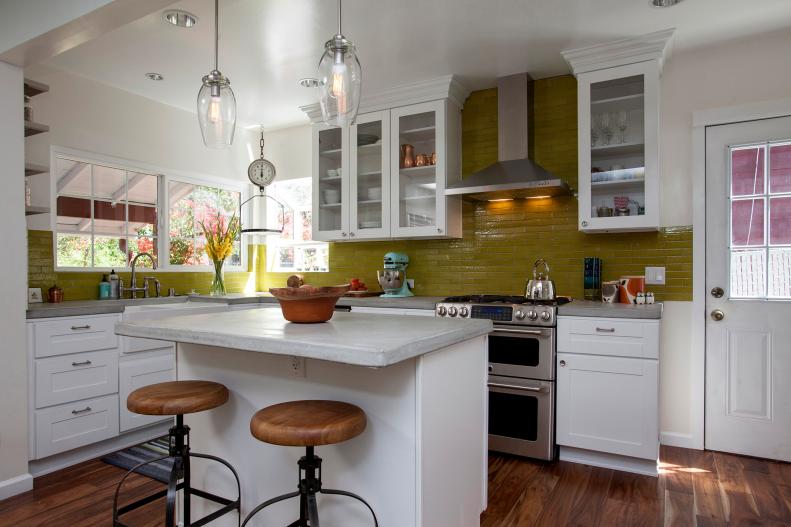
163 240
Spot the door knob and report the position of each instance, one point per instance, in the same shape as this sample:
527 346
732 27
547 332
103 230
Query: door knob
717 292
562 364
717 315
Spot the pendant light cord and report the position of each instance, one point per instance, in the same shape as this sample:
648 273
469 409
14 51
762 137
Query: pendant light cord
216 33
340 4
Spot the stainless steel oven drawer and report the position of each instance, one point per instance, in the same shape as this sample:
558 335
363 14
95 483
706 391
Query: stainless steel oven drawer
522 417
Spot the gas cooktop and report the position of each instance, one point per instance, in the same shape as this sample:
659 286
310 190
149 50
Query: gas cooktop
505 299
502 309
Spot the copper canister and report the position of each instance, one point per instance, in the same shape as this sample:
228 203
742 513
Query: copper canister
55 294
407 156
421 160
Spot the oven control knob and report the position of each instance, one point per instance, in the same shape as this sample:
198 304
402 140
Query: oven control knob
532 315
442 311
520 315
464 312
546 316
452 311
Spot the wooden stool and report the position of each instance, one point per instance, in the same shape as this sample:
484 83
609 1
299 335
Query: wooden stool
308 424
178 398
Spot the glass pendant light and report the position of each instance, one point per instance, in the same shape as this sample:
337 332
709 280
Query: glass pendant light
216 102
340 76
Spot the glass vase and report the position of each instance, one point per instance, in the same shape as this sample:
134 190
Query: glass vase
218 282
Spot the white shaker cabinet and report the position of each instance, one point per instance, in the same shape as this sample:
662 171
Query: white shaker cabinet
608 392
618 132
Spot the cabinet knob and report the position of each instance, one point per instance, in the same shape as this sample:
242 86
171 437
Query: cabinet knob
343 234
562 364
439 230
351 234
584 223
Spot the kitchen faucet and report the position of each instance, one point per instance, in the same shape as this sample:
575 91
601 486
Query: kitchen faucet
133 289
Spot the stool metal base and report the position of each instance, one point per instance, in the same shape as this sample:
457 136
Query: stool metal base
309 486
180 452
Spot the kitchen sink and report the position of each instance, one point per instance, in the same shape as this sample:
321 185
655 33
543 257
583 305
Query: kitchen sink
171 310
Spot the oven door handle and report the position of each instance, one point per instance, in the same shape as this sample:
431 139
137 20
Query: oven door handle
519 331
516 387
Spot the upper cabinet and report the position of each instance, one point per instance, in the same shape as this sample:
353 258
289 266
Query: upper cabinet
618 132
385 176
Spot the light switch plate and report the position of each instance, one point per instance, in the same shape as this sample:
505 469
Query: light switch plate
655 276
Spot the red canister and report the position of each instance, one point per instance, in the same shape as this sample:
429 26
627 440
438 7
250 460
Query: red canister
630 286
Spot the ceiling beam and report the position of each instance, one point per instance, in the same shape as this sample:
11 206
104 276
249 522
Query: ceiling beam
70 175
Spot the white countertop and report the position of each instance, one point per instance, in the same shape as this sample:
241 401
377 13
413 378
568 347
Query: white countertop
352 338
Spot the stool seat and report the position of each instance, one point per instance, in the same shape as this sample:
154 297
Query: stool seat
308 423
177 398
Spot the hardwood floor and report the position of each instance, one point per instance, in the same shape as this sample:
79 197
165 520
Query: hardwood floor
695 488
707 489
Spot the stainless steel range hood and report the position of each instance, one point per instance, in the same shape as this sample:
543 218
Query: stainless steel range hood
514 175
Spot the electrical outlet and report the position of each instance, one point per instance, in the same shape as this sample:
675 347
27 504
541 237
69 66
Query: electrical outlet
296 367
655 276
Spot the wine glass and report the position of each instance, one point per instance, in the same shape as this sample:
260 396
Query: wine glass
594 129
622 120
606 127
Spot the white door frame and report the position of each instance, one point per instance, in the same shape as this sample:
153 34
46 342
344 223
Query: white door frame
701 120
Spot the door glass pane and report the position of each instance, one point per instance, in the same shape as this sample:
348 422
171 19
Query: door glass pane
747 222
748 273
618 147
330 179
780 273
747 171
780 171
417 137
369 175
513 416
514 350
780 221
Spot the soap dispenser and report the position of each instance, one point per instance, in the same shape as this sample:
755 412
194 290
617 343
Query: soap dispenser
115 285
104 288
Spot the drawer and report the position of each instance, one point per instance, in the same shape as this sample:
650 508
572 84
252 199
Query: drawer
74 335
136 371
131 345
609 336
69 378
73 425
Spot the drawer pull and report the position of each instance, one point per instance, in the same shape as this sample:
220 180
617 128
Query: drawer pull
77 328
516 387
605 330
84 410
83 363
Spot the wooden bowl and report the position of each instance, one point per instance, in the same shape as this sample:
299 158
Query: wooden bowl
308 304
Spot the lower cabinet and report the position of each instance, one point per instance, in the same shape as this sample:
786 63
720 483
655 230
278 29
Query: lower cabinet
608 404
138 370
76 424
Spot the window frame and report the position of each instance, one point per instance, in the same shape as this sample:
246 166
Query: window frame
766 196
165 176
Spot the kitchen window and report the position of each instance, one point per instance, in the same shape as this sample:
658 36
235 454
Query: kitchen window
106 213
760 221
294 250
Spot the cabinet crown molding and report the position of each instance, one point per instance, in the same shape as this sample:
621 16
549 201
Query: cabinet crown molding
445 87
653 46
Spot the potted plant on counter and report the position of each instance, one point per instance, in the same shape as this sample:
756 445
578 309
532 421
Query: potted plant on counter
220 237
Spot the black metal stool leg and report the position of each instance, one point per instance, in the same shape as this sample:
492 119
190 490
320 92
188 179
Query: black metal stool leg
355 496
139 502
313 511
267 503
170 505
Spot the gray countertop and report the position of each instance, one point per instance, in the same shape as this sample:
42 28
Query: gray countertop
360 339
588 308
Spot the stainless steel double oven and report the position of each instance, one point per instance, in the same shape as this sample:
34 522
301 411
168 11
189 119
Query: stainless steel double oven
521 371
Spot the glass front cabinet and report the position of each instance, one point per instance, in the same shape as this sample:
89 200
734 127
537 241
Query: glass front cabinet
385 176
618 133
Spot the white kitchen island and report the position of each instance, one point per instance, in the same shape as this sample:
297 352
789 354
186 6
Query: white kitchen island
421 380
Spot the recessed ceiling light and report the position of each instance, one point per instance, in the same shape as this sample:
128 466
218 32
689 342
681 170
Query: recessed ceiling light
310 83
155 76
180 18
664 3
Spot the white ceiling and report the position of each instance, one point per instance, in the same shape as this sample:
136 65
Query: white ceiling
267 45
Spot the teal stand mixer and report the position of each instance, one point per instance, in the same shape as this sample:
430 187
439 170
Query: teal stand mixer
393 277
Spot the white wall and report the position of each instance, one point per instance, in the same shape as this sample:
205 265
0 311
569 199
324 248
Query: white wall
290 150
87 115
731 73
13 265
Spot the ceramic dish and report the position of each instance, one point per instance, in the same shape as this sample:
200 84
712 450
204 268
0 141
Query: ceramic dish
366 139
308 304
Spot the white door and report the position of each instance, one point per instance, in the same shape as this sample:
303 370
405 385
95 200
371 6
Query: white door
748 283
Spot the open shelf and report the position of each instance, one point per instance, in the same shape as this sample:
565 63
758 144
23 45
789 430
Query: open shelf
330 179
625 102
31 169
419 198
419 135
618 184
419 171
31 210
330 205
33 88
334 152
369 202
372 146
617 149
32 128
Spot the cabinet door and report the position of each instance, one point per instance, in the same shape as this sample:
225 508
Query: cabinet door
369 168
619 148
608 404
418 188
330 183
138 370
